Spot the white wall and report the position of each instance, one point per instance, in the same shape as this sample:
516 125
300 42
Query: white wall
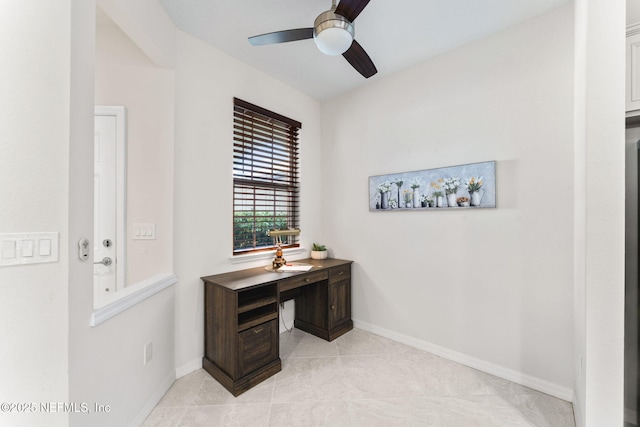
106 362
489 287
206 82
126 76
34 146
147 23
599 212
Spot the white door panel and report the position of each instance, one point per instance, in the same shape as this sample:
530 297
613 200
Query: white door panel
108 239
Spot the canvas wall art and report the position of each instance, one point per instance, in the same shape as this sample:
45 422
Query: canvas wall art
469 186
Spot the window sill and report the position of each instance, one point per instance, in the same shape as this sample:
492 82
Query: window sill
238 259
131 296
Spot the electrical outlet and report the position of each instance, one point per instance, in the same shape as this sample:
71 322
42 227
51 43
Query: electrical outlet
148 352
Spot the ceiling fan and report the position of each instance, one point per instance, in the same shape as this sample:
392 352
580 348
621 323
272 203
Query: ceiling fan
333 32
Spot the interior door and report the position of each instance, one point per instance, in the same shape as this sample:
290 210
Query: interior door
109 180
104 212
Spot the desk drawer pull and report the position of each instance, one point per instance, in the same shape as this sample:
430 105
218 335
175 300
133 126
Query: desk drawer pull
333 307
258 330
307 280
341 273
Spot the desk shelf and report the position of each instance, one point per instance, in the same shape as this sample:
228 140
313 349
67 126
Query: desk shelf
257 304
255 317
256 298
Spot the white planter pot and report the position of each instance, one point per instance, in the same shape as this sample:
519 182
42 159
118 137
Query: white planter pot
475 198
319 254
416 198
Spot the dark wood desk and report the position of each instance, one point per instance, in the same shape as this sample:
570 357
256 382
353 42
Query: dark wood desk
241 332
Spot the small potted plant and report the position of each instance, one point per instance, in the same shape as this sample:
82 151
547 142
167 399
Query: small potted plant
384 189
451 186
319 251
407 195
473 185
438 194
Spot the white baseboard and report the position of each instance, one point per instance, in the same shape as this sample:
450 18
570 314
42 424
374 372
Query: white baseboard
577 411
154 400
482 365
188 367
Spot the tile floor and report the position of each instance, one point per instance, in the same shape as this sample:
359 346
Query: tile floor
360 379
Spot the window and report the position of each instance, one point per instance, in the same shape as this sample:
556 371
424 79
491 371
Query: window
265 177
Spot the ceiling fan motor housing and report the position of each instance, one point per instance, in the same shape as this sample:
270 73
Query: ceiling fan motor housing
333 33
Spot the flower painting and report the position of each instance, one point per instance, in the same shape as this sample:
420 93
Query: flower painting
455 187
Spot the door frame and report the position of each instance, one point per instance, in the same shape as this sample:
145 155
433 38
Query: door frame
120 114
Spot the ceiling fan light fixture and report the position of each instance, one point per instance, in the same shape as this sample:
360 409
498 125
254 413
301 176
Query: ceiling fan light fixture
332 33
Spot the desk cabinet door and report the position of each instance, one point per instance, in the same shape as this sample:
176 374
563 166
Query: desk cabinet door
339 303
257 347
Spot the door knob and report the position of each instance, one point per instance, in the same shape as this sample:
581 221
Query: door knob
105 261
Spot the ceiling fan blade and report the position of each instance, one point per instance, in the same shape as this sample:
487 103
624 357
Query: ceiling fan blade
359 60
282 36
350 9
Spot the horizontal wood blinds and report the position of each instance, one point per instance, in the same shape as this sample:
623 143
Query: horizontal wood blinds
265 176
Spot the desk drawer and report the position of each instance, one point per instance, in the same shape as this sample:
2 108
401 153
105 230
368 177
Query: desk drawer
257 347
338 274
302 280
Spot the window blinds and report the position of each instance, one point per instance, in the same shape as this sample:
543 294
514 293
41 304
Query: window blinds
265 176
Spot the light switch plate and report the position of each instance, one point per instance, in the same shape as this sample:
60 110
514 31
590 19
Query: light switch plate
144 231
28 248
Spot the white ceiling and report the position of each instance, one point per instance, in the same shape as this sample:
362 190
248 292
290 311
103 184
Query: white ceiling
396 34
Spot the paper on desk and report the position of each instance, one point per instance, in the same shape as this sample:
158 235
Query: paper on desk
295 267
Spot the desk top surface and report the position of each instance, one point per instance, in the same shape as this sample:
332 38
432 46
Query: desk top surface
241 279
